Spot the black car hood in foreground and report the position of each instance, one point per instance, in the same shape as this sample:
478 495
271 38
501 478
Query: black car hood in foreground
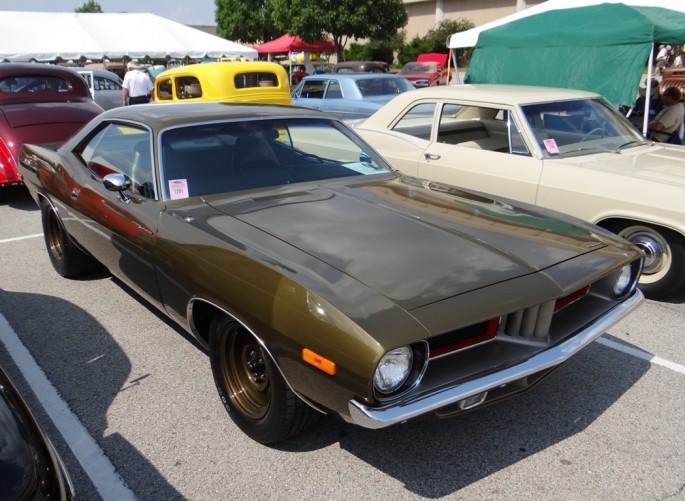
414 245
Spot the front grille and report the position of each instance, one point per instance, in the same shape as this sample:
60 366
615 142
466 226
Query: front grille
531 323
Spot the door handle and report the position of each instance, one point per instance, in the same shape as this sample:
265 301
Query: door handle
431 156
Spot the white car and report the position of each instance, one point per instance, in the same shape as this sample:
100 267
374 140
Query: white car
567 150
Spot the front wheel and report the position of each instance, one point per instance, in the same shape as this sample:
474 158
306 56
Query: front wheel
67 259
664 269
250 386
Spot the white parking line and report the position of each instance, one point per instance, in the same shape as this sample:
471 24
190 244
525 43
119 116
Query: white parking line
25 237
93 460
635 352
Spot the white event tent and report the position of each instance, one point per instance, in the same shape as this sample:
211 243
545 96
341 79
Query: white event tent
49 36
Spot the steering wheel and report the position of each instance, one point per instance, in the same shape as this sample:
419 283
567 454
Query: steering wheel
587 135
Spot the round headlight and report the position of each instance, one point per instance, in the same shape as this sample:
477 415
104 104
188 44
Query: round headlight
393 370
624 281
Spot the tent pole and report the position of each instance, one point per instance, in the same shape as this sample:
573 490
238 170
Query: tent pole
449 61
648 93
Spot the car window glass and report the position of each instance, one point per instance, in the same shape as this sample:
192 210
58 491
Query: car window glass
226 157
417 121
188 88
37 83
312 89
122 149
567 128
479 127
164 89
255 79
103 83
334 91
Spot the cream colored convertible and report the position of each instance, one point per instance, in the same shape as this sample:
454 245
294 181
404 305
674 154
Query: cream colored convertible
562 149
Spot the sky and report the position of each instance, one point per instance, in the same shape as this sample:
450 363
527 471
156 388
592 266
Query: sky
190 12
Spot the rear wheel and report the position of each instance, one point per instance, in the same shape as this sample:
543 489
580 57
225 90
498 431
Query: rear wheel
664 270
250 386
67 259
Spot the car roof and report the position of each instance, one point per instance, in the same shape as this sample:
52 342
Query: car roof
496 93
31 69
162 115
99 73
353 76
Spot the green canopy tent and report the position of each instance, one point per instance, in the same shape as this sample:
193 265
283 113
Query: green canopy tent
601 48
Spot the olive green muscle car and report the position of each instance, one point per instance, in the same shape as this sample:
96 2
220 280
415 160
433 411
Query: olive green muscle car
319 279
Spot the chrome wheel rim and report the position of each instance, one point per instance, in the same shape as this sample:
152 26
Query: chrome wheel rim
654 246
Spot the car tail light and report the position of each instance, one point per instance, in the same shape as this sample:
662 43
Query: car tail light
8 167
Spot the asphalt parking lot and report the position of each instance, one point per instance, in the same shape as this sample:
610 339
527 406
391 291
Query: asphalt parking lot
129 402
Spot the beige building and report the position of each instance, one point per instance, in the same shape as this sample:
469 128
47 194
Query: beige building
426 14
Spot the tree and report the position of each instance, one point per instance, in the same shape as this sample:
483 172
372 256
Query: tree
341 19
90 6
437 37
248 21
376 50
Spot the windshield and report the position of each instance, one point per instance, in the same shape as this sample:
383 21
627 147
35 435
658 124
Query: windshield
569 128
232 156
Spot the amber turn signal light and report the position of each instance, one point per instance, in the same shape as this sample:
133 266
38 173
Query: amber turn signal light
318 361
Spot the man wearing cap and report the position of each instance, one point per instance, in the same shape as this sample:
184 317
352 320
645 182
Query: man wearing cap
137 85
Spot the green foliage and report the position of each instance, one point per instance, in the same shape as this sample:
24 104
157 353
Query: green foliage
437 37
436 41
341 19
90 6
375 50
247 21
410 51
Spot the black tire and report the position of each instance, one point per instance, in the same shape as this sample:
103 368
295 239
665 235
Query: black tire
664 271
251 388
67 259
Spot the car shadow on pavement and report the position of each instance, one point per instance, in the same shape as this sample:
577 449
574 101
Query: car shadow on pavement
18 197
435 458
88 369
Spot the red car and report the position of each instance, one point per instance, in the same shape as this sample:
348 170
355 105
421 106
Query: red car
39 103
427 71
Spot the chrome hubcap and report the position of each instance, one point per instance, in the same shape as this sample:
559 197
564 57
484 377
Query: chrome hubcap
655 249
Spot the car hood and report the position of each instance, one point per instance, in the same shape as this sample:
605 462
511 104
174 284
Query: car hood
413 245
657 163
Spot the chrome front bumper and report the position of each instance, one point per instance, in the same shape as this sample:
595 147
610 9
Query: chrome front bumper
380 417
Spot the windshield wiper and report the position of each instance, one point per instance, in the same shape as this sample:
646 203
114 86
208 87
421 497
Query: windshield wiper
618 150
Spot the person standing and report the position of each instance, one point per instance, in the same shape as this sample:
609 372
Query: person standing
661 60
668 121
137 85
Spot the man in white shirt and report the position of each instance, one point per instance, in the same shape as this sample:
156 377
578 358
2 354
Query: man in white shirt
670 118
137 85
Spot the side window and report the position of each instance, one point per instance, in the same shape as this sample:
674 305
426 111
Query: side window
255 79
518 145
121 149
479 127
102 83
334 91
417 121
188 88
313 89
164 90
